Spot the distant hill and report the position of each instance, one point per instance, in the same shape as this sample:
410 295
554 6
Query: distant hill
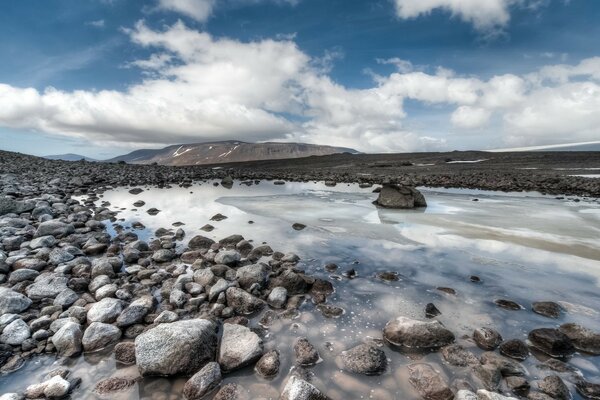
69 157
226 152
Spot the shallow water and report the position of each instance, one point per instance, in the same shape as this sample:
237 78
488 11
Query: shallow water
525 247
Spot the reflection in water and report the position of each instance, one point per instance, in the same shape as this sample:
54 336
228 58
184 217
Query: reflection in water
524 247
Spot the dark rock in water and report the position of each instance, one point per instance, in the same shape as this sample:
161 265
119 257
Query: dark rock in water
554 387
227 182
583 339
203 382
457 355
418 335
114 385
181 347
431 311
243 302
475 279
139 203
306 354
518 385
298 226
331 267
218 217
293 282
487 338
552 342
231 391
547 309
268 365
514 348
588 390
388 276
488 375
508 304
403 197
330 311
125 353
351 273
136 191
299 389
429 383
447 290
153 211
200 242
556 365
365 359
208 228
506 366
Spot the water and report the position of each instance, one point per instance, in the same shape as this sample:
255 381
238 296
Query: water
525 247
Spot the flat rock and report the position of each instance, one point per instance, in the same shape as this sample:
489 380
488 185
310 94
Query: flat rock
582 338
415 334
548 309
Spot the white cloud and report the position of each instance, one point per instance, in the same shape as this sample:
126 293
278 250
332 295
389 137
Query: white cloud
198 87
100 23
200 10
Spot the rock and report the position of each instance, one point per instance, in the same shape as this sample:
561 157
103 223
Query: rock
219 287
239 347
548 309
67 340
298 226
429 383
200 242
135 312
252 274
12 396
415 334
66 298
111 386
582 338
588 390
431 311
268 365
365 359
508 304
10 206
12 302
106 310
218 217
514 348
54 228
505 365
552 342
277 297
231 391
293 282
486 395
15 333
163 255
56 387
125 353
203 382
306 354
457 355
299 389
166 317
99 335
518 385
47 285
330 311
42 241
397 196
487 338
465 394
243 303
181 347
554 387
22 275
228 257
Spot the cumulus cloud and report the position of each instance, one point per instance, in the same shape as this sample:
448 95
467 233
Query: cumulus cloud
198 87
200 10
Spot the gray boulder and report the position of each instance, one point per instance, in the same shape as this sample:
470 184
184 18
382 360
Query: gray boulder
365 359
398 196
15 333
243 302
299 389
67 340
203 382
54 228
239 347
252 274
415 334
12 302
99 335
47 285
106 310
135 312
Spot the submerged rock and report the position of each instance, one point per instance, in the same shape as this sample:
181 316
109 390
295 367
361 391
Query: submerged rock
554 387
415 334
552 342
114 385
365 359
429 383
397 196
548 309
306 354
268 365
457 355
299 389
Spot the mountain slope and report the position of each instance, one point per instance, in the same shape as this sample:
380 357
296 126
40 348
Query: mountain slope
69 157
226 152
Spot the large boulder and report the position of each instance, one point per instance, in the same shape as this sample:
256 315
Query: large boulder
12 302
178 348
418 335
399 196
239 347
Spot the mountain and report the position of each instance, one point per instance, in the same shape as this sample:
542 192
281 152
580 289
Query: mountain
69 157
581 146
226 152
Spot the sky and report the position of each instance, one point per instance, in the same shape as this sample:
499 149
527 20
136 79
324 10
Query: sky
104 77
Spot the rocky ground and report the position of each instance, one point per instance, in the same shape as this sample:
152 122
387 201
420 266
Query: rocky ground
67 287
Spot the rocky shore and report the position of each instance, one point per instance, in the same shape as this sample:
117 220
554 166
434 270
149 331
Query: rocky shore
68 287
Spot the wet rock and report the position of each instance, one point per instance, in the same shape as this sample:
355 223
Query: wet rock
293 282
12 302
431 311
218 217
231 391
582 338
465 394
554 387
99 335
200 242
203 382
457 355
106 310
487 395
396 196
277 297
552 342
239 347
487 338
299 389
153 211
125 353
268 365
242 302
252 274
518 385
181 347
306 354
330 311
415 334
113 385
514 348
588 390
428 382
488 375
56 387
548 309
508 304
365 359
298 226
15 333
388 276
228 257
505 365
67 340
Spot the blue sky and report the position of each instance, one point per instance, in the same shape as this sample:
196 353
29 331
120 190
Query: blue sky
103 77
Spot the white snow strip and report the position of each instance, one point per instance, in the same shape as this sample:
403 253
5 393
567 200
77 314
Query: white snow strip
467 162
